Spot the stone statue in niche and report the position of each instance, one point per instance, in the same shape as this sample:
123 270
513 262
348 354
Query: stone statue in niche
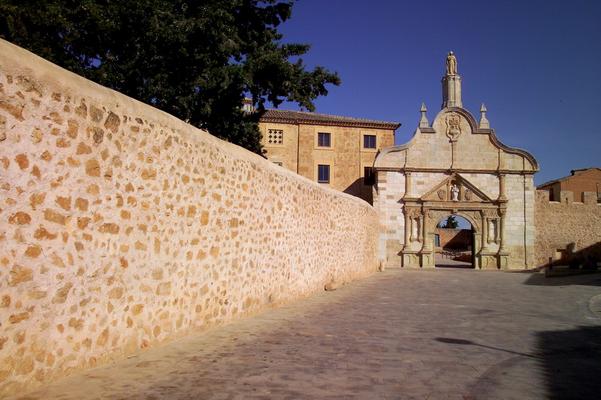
451 64
415 229
492 230
453 121
455 192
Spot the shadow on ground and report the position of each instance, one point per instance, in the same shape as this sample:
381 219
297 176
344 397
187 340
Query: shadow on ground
571 362
443 264
539 279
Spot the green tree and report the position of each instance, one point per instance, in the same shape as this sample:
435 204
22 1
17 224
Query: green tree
450 222
194 59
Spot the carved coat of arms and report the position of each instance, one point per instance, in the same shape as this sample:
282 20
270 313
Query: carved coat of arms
453 121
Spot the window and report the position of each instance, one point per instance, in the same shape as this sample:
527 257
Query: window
323 139
369 176
323 173
369 141
275 136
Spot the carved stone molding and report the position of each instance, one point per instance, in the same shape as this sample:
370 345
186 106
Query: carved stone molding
412 212
453 121
490 213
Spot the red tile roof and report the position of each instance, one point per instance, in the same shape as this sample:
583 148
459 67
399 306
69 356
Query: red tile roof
310 118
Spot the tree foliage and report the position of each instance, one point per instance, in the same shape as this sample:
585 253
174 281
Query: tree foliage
449 223
193 59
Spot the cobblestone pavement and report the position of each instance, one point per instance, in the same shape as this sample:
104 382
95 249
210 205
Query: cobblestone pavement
441 334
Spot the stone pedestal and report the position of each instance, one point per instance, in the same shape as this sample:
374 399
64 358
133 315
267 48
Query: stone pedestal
411 259
451 91
488 261
427 259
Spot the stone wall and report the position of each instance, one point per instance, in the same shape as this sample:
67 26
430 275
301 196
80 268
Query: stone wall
388 193
454 239
567 229
122 227
520 231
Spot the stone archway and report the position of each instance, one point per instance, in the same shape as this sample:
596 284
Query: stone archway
438 217
488 250
453 237
457 196
486 221
473 217
456 165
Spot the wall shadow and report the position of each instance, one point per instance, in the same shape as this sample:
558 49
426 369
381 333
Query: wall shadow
571 362
539 279
462 240
571 269
359 189
586 258
454 264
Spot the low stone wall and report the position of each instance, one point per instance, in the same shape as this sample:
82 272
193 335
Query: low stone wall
567 231
122 227
450 238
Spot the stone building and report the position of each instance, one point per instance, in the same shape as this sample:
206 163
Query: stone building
335 151
579 182
456 165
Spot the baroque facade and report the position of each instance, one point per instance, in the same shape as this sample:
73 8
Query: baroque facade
458 166
332 150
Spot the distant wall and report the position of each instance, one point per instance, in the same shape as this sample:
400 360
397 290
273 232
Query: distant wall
567 229
122 227
454 238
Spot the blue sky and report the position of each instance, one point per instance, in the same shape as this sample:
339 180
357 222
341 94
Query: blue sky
535 64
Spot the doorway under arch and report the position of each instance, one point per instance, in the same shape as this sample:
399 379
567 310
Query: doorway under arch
454 242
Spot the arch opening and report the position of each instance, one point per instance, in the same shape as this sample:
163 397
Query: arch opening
454 242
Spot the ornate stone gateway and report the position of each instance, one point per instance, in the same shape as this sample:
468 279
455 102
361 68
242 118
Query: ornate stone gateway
456 166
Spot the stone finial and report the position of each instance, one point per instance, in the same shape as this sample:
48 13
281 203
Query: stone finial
423 121
484 124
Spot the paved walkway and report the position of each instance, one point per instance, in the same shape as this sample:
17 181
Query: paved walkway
442 334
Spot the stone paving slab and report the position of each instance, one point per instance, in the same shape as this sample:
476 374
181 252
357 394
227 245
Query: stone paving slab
440 334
